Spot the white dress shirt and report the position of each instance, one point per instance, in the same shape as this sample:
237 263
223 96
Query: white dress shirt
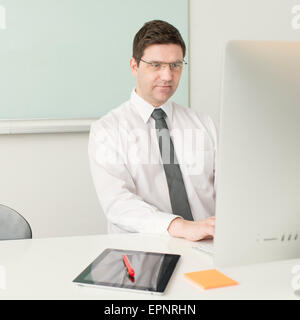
128 172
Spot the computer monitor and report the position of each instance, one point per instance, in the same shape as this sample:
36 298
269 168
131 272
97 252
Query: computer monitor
258 163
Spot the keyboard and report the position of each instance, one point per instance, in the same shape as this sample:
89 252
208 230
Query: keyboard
205 245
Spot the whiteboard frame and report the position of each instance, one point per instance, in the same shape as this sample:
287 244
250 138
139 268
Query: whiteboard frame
45 126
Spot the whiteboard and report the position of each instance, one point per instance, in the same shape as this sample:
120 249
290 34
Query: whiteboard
69 59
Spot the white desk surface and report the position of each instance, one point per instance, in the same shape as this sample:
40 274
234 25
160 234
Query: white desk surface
45 268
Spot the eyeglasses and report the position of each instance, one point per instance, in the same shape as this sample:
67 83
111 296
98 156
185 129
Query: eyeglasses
157 65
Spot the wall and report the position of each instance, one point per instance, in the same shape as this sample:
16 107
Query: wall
214 22
46 178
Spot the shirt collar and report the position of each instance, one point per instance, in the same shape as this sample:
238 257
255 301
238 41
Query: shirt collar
145 109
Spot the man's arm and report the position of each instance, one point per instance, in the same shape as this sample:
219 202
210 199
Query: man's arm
116 190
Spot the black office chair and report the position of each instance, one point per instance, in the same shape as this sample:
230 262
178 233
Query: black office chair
12 225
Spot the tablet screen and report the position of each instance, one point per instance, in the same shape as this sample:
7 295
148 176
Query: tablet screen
152 271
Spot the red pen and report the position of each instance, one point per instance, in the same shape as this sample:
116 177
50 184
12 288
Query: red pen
128 266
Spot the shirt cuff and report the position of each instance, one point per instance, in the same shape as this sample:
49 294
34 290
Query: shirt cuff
163 224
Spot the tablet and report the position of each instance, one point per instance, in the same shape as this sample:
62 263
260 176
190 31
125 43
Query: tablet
152 271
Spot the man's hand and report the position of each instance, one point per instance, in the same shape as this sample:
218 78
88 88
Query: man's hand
192 230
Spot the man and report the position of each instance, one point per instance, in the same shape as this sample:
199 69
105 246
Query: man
152 161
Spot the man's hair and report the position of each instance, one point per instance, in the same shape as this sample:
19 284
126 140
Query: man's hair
155 32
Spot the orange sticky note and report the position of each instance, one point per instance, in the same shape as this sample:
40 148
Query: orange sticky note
209 279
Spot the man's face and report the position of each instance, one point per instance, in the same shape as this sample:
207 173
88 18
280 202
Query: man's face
156 86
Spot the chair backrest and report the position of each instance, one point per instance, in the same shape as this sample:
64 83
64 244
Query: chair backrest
12 225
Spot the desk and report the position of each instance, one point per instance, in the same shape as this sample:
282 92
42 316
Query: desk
45 268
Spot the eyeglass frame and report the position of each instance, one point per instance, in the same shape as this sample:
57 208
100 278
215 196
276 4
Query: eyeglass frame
183 62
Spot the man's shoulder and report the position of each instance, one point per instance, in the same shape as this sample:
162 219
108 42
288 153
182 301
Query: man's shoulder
196 119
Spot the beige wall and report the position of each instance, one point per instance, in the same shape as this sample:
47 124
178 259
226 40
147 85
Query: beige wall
213 23
46 178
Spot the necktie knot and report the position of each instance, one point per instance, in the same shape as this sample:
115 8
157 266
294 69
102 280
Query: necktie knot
158 114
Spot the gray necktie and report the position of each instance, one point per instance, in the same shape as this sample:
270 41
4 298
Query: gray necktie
177 192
